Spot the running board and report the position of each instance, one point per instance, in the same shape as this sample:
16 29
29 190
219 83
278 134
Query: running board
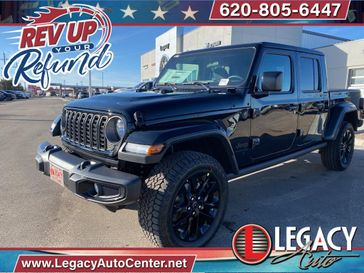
272 162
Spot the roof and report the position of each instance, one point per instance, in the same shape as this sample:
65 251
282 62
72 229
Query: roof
342 43
325 35
257 45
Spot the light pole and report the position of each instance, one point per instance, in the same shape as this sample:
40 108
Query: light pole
64 88
4 59
89 78
89 84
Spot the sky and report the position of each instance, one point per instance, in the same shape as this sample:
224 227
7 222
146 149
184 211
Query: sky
130 42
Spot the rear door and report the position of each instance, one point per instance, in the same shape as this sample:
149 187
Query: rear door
311 84
274 119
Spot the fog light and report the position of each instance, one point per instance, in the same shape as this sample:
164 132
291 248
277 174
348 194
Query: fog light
143 149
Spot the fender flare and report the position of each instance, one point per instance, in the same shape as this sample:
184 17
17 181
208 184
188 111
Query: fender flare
335 118
172 136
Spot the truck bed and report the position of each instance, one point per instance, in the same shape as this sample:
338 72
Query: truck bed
354 95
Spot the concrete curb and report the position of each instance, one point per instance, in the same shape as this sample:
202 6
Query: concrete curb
359 140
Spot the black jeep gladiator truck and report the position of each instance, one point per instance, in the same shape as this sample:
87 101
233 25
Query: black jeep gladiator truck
213 115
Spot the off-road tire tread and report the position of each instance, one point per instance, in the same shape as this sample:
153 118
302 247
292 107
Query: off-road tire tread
158 188
330 154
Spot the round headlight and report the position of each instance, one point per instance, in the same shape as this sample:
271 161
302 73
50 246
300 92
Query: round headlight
121 128
115 129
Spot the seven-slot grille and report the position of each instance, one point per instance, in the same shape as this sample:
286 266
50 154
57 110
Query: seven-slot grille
86 129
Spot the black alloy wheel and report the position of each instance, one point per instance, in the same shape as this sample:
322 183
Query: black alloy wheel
196 206
338 153
347 147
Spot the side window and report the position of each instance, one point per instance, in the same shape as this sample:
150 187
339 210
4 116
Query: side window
278 63
309 74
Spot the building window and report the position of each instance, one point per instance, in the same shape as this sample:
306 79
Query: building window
309 74
356 77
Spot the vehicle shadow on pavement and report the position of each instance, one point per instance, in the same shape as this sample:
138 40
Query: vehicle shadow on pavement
297 193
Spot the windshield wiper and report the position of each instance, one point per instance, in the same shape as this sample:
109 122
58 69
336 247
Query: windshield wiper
200 83
172 87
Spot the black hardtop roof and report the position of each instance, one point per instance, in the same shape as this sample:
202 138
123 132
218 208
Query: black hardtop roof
259 45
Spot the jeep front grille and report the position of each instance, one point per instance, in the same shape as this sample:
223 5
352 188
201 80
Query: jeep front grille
86 130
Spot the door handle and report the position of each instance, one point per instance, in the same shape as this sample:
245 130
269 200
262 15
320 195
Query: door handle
320 106
254 112
292 108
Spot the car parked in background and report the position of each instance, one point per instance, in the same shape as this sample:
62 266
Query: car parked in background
82 95
50 94
144 86
2 96
140 87
18 94
9 96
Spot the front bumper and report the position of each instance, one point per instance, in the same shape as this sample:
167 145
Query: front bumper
87 179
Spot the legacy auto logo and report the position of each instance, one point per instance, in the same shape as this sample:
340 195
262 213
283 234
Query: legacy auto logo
252 245
79 32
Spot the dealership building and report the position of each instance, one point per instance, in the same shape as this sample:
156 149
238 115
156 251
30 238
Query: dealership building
345 58
345 64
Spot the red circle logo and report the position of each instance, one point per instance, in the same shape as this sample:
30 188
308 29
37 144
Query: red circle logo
252 244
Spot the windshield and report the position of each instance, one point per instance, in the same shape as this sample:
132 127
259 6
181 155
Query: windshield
215 67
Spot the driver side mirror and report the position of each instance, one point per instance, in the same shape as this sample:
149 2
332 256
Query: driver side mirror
272 81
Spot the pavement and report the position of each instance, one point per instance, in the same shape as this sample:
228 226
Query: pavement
359 141
36 212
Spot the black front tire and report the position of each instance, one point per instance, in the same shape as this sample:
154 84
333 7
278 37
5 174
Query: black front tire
337 155
168 205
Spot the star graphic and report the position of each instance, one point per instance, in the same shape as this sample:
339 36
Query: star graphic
98 6
189 13
128 12
159 13
66 5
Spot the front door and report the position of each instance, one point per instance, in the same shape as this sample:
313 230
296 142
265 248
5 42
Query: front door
274 117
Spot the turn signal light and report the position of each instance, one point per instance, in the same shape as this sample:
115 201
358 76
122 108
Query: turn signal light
155 149
144 149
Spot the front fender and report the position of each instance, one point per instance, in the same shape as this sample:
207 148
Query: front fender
336 117
174 135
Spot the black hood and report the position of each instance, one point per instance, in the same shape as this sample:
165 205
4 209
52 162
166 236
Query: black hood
156 106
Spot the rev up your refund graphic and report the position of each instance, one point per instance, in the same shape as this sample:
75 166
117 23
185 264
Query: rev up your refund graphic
69 39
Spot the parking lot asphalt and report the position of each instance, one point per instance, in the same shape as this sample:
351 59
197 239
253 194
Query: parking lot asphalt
36 212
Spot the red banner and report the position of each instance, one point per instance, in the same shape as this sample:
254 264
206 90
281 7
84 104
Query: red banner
281 10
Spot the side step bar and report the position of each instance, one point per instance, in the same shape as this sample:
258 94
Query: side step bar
272 162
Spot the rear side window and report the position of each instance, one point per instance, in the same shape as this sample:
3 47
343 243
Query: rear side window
278 63
309 74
